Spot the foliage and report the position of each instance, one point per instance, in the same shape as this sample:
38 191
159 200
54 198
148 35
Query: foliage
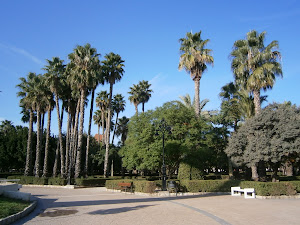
261 188
57 181
273 136
91 182
187 172
33 180
138 185
10 206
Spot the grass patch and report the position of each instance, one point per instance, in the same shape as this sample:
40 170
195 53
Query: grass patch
10 206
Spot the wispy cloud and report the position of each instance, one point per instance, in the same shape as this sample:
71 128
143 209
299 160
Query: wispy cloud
22 52
274 16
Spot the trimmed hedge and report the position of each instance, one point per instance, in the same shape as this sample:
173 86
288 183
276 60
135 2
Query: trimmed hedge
91 182
261 188
138 185
33 180
57 181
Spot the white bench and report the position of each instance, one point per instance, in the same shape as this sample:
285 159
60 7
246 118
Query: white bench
248 192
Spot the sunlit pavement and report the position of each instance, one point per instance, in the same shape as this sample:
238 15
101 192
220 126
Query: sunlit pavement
97 206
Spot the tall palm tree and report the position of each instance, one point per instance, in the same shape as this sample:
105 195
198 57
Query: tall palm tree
113 71
194 59
55 69
97 120
97 79
255 65
118 105
122 128
102 103
26 93
84 65
135 93
145 93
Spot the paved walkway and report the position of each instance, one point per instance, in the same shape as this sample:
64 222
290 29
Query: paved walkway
96 206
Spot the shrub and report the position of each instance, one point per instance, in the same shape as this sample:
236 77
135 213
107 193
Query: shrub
33 180
187 172
91 182
208 185
57 181
144 186
138 185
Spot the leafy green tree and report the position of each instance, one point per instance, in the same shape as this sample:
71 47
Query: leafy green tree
194 59
272 136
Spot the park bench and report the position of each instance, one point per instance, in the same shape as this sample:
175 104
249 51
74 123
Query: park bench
125 186
248 192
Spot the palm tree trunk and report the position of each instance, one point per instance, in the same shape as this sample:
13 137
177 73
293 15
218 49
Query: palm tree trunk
136 109
45 171
60 137
80 135
115 129
89 134
256 95
103 126
55 166
197 96
108 132
143 107
38 145
68 139
28 166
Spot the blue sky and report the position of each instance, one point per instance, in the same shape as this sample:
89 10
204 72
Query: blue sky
145 34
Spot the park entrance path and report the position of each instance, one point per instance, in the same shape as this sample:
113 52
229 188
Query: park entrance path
97 206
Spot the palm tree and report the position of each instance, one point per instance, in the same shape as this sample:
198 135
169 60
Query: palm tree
194 59
145 93
83 67
113 71
102 103
122 128
118 105
55 70
97 120
135 93
255 65
98 78
26 92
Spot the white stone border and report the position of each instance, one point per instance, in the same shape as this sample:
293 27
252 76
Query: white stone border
19 215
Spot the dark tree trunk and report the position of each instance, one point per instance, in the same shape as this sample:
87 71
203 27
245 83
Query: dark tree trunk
62 170
28 166
88 138
112 142
80 135
38 146
108 132
45 171
262 171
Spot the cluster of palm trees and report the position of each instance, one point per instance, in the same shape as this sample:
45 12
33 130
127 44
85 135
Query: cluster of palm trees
140 94
69 84
255 68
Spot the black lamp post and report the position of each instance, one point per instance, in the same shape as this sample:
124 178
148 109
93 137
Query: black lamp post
163 127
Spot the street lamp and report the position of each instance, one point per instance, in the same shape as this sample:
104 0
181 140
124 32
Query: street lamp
163 128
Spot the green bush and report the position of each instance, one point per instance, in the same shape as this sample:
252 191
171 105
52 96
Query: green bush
138 185
33 180
91 182
187 172
144 186
208 185
296 184
57 181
